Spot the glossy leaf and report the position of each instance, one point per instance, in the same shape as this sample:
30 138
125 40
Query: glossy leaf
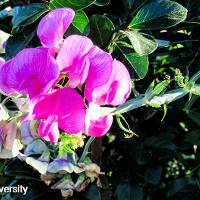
101 29
102 2
159 14
92 193
138 63
128 191
194 116
152 174
80 24
75 4
130 3
17 42
142 43
25 15
193 137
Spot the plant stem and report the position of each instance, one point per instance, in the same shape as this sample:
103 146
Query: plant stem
86 149
166 98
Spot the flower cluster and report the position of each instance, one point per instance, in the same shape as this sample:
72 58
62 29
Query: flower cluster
66 80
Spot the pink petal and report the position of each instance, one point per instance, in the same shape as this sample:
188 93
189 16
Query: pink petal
67 105
48 129
73 59
100 75
94 124
100 67
33 71
120 88
52 27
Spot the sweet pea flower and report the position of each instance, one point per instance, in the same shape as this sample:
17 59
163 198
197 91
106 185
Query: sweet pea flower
52 27
107 81
33 71
73 59
95 125
113 87
64 109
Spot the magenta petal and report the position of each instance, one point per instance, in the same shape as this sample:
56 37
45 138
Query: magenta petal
73 59
94 124
48 129
52 27
33 71
67 105
100 67
120 88
100 74
4 85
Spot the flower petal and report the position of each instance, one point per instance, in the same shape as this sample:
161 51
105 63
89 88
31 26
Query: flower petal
61 165
33 71
100 67
2 61
53 26
120 88
94 124
73 59
100 74
67 105
48 129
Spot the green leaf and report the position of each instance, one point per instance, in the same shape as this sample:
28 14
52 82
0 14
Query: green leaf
195 116
185 188
80 24
138 63
160 142
25 15
92 193
17 42
152 174
19 168
193 137
160 87
139 152
159 14
101 30
74 4
142 43
128 191
102 2
130 3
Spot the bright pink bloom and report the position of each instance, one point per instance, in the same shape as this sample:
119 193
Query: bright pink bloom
73 59
64 108
33 71
52 27
120 87
95 125
48 129
108 81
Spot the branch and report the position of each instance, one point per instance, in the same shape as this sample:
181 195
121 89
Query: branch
166 98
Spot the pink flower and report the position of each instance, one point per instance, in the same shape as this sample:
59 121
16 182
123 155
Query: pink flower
33 71
52 27
63 108
108 81
95 125
73 59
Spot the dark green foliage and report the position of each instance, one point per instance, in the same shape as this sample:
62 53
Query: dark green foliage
163 162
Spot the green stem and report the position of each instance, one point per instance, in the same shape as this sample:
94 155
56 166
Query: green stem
86 149
166 98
